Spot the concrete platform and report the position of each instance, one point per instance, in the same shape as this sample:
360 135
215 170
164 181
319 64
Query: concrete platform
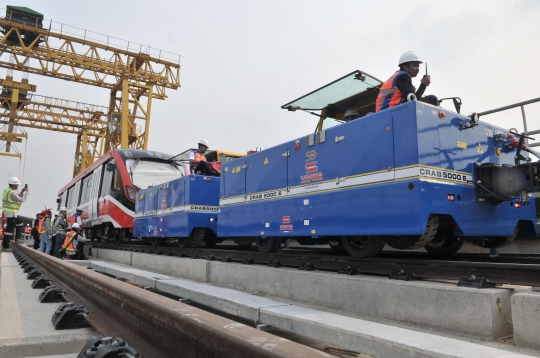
25 323
378 340
526 319
436 305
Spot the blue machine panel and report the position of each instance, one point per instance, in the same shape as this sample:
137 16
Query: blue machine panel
175 208
382 174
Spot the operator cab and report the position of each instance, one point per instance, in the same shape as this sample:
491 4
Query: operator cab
357 90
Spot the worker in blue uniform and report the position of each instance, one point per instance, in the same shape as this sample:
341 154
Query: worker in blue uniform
398 87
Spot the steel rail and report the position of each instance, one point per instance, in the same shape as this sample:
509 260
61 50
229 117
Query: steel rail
175 328
428 268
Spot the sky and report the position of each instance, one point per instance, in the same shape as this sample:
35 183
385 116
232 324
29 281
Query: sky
241 60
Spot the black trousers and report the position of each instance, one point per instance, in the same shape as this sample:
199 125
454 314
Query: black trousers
205 169
9 232
36 242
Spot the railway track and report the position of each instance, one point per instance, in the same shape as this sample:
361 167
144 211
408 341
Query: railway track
516 270
158 326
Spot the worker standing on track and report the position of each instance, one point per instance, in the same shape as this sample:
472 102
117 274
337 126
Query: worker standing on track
398 87
197 160
35 232
11 202
27 231
44 229
60 228
53 232
73 245
76 218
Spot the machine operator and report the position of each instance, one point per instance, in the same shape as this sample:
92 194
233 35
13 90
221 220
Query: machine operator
399 86
197 160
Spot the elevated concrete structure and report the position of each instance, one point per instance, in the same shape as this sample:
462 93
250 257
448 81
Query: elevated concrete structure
26 329
436 305
526 319
358 335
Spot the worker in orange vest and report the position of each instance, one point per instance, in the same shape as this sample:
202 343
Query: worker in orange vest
197 160
73 246
397 89
44 229
76 218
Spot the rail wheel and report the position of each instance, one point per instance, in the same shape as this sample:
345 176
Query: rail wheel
103 233
444 244
209 238
490 242
363 246
268 245
184 242
156 241
118 235
244 243
415 241
337 246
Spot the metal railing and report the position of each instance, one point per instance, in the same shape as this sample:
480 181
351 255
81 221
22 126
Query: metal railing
515 105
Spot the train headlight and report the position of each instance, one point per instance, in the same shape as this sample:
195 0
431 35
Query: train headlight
131 193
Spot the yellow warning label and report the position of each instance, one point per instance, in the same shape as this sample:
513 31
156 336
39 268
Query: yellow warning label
313 231
226 169
479 149
497 152
461 144
262 232
265 160
233 170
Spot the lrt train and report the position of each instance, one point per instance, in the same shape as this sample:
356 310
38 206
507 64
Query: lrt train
411 176
106 191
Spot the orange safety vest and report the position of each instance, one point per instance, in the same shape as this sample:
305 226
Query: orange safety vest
68 241
389 95
40 230
27 230
73 218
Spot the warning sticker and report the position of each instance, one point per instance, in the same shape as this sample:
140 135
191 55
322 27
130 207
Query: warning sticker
479 149
497 152
461 144
265 160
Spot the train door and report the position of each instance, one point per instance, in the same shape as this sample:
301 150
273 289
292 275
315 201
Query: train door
93 213
266 174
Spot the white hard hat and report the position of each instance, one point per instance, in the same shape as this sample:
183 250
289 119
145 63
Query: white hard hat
63 208
408 56
79 208
204 142
56 213
75 226
350 112
27 224
13 181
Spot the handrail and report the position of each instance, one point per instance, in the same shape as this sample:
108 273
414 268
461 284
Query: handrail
520 104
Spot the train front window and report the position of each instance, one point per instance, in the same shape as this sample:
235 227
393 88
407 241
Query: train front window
147 173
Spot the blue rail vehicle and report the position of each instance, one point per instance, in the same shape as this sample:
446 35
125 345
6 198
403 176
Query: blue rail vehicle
184 209
412 176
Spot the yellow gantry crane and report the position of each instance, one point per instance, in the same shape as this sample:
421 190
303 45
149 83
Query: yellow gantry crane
134 75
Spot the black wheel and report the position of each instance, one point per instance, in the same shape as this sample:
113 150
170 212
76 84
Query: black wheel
118 235
209 243
491 242
156 241
268 245
444 244
103 233
244 243
337 246
184 242
415 241
363 246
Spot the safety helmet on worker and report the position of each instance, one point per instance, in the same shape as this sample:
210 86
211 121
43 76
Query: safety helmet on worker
350 112
63 208
79 208
13 181
75 226
205 143
408 56
56 213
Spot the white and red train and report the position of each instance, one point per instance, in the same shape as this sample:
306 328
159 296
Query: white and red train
106 190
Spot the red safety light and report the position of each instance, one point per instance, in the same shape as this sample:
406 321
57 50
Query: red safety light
451 197
442 115
209 179
517 205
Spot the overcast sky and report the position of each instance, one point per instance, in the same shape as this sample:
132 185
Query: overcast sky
242 60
